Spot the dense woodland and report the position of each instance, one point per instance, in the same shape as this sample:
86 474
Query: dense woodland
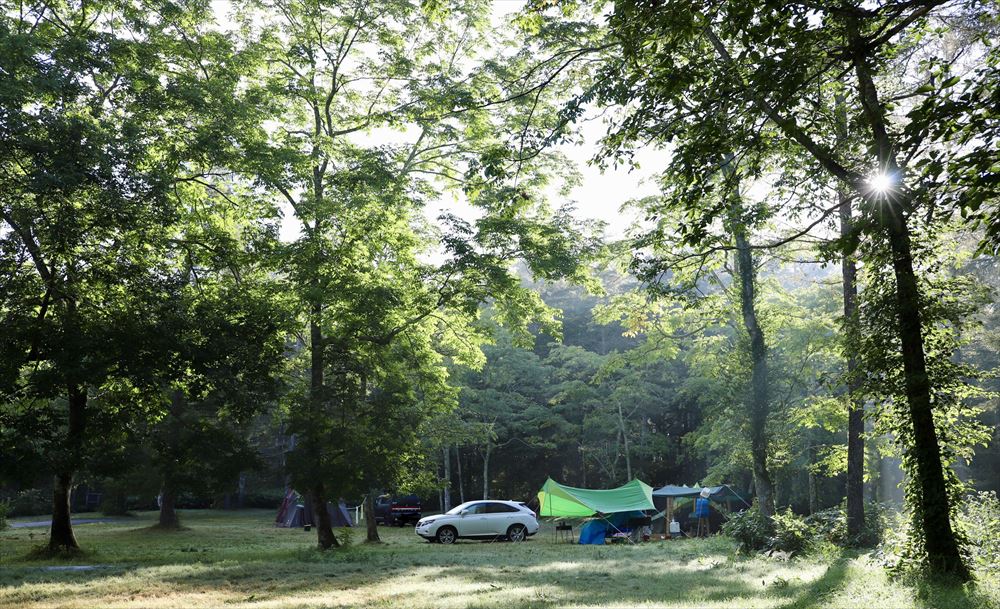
332 245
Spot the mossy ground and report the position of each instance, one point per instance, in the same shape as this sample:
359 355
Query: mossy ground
238 559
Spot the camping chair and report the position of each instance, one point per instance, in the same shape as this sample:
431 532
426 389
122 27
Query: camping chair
564 532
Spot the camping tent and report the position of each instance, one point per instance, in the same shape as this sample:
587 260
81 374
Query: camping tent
595 530
566 501
295 513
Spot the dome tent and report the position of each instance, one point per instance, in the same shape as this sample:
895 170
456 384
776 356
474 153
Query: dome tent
296 511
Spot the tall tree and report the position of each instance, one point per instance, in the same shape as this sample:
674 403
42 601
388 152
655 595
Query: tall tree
758 401
339 69
855 404
92 95
770 60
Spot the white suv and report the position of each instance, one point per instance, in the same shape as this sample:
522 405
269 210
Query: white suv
480 520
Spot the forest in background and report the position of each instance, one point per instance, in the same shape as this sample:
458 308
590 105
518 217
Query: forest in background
602 404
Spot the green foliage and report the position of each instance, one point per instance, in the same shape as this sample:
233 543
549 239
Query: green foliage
29 502
791 533
345 536
830 525
950 301
389 299
980 521
784 532
117 208
4 511
751 530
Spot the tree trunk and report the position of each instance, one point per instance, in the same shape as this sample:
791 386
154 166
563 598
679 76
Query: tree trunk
942 549
61 532
759 399
370 524
855 413
321 519
241 491
855 492
874 471
486 470
628 457
61 535
940 543
168 501
170 432
813 490
447 478
461 485
316 360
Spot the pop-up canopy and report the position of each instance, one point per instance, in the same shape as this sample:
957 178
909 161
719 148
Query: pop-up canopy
723 493
566 501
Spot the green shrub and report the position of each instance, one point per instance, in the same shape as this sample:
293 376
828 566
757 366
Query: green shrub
751 530
4 508
785 532
828 525
346 537
831 525
791 533
31 502
874 527
268 499
979 519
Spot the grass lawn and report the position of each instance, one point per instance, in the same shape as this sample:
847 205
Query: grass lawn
237 559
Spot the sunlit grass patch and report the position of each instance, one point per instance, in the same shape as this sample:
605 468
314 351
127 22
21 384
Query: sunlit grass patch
238 559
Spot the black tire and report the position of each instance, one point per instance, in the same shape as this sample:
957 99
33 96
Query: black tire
517 532
446 535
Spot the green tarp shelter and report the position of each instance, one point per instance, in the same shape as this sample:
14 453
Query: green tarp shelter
569 502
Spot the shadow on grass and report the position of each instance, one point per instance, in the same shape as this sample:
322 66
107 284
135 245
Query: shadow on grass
818 593
242 568
485 575
948 594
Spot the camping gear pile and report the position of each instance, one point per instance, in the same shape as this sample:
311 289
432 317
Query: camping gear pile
628 512
295 512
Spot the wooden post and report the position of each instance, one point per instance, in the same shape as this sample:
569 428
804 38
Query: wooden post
670 516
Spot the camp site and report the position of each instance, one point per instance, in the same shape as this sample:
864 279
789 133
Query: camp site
499 304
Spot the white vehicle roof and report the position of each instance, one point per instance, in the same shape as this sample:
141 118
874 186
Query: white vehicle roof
517 504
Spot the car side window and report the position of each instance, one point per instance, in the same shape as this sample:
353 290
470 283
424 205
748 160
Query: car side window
500 508
476 508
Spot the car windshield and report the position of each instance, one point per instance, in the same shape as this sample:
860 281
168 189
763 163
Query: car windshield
458 508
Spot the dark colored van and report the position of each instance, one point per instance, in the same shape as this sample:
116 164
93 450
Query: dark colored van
398 511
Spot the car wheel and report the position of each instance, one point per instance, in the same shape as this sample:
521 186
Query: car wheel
517 532
447 535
